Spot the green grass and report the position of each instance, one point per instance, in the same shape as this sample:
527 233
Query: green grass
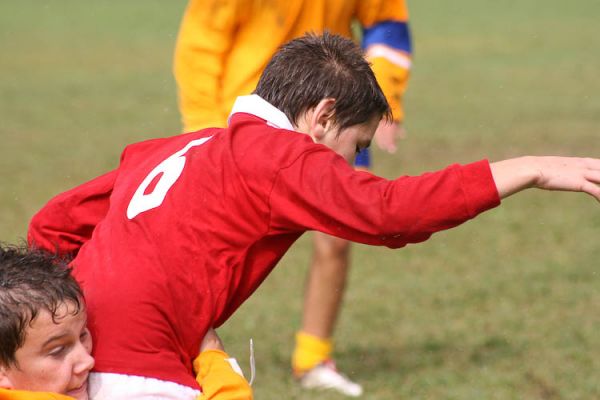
504 307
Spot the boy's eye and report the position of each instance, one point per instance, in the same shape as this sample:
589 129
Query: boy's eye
57 351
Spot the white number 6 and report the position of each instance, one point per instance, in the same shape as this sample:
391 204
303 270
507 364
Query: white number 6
170 169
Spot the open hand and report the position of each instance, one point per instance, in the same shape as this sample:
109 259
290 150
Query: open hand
387 133
570 174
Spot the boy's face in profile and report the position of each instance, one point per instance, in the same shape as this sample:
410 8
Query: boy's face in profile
319 124
55 356
349 141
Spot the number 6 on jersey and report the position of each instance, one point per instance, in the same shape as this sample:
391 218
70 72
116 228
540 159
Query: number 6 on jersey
170 169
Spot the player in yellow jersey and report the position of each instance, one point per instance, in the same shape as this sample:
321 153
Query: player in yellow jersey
45 346
222 48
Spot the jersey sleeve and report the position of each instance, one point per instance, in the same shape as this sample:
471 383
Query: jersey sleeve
388 46
218 379
320 191
205 39
67 221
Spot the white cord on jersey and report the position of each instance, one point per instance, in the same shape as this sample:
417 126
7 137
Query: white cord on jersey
252 362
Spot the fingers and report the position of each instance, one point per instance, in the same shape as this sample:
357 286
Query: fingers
593 176
591 189
590 186
571 174
589 174
592 163
386 135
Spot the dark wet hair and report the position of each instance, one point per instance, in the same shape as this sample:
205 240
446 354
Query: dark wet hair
313 67
31 280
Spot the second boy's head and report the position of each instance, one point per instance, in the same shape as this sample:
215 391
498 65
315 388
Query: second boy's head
44 341
327 89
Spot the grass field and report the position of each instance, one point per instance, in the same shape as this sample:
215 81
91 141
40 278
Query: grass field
504 307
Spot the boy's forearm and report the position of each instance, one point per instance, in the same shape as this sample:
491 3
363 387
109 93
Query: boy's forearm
514 175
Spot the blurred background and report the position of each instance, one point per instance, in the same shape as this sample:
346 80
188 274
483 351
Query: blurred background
504 307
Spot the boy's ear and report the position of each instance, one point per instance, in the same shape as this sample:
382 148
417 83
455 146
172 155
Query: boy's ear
321 118
5 382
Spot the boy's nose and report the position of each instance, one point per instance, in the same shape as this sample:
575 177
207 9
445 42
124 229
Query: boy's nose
85 361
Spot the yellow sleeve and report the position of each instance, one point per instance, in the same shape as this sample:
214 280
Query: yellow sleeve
6 394
218 379
205 37
370 12
393 80
391 66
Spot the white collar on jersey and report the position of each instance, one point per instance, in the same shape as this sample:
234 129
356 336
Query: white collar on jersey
256 105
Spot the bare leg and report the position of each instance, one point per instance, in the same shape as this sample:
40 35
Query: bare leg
325 285
323 297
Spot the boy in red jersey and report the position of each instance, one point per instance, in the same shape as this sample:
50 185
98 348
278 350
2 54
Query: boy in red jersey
172 242
222 48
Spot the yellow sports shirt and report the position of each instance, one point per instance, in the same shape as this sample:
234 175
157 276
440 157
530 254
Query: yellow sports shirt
224 45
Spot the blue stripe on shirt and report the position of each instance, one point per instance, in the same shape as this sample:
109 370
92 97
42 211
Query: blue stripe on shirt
394 34
363 159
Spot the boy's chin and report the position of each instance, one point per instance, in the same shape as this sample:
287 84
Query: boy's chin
80 393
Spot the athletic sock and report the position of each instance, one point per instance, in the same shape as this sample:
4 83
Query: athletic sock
310 351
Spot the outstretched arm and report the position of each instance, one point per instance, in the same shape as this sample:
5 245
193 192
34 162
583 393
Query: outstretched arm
368 209
550 173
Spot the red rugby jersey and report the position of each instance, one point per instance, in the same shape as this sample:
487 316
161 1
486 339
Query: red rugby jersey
183 232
